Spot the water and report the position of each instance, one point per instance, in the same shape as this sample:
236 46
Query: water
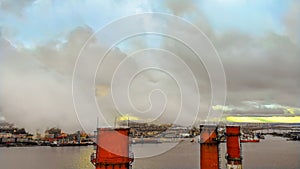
45 157
271 153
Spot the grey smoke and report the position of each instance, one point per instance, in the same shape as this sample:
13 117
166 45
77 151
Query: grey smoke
36 83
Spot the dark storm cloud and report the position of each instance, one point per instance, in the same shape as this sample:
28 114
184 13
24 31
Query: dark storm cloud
263 69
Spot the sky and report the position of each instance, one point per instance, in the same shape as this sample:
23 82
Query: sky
258 44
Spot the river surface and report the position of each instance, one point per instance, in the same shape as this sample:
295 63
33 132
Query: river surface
271 153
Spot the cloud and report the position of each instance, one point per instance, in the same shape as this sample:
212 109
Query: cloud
36 83
292 21
2 118
262 74
260 68
15 7
179 8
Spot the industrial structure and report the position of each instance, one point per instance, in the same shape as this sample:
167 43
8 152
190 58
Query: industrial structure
209 147
233 156
112 149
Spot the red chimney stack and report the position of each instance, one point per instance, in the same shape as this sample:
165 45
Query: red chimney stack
209 147
112 149
233 156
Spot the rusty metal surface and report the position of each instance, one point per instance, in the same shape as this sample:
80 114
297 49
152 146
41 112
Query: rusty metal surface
209 148
233 145
112 148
